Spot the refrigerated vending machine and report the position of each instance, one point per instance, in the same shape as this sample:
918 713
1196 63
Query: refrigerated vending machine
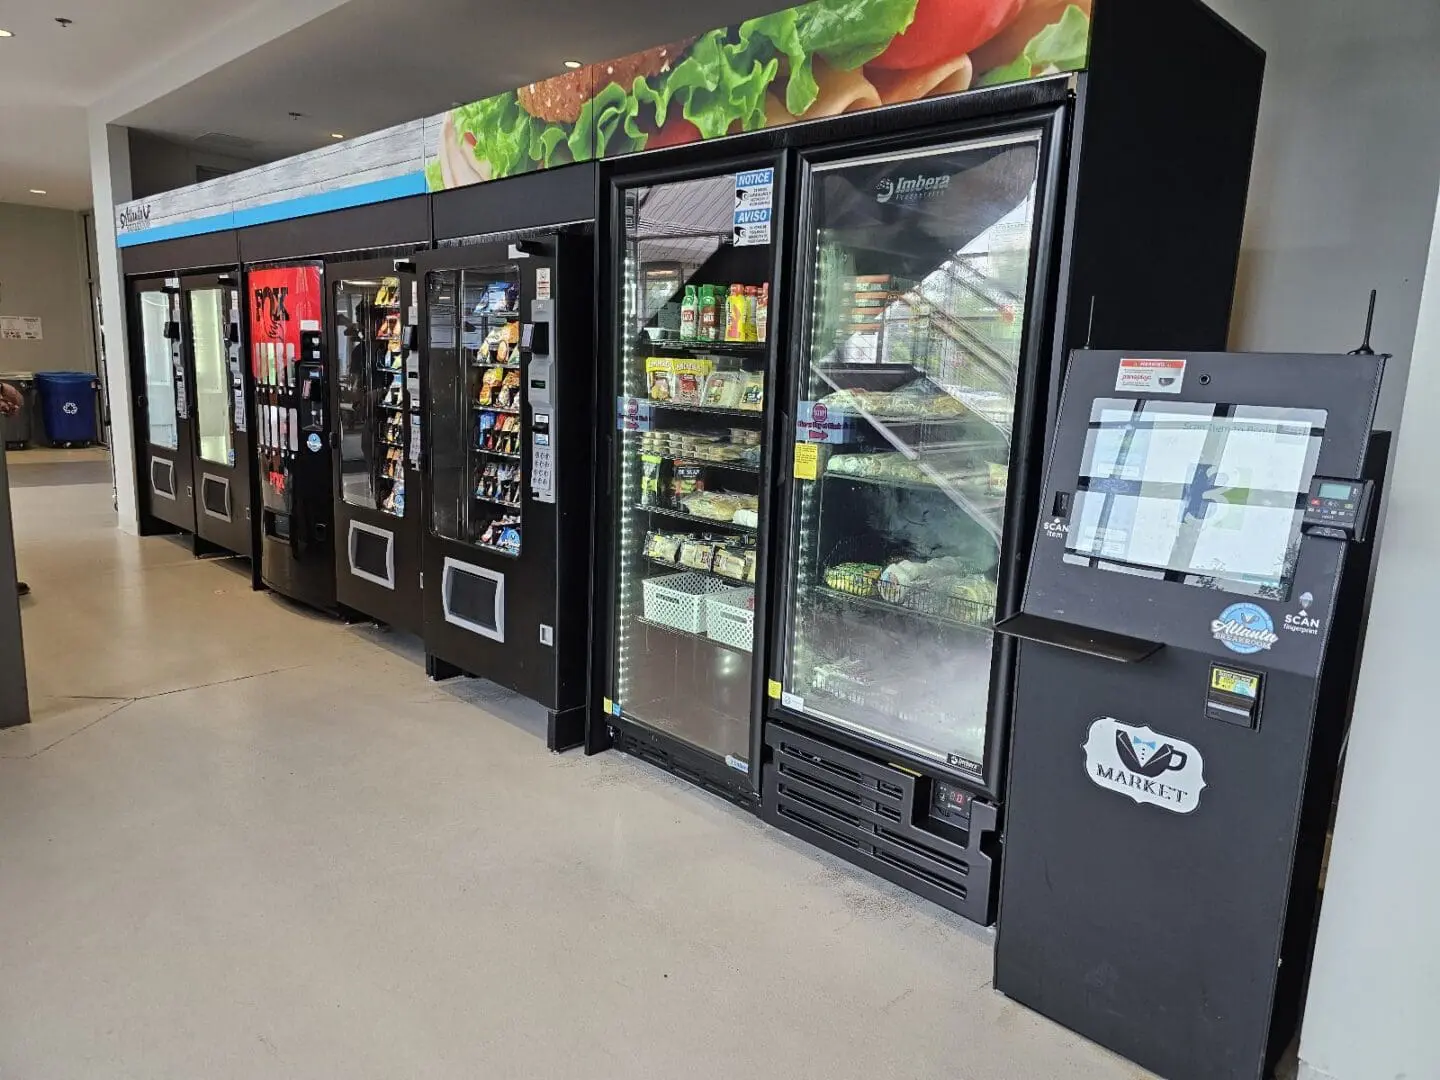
508 387
293 428
195 454
375 317
1187 663
811 524
689 365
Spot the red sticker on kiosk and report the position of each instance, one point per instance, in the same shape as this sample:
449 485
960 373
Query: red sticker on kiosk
1150 376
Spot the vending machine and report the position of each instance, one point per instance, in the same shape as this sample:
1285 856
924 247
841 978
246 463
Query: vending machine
1186 663
374 326
293 424
508 389
192 410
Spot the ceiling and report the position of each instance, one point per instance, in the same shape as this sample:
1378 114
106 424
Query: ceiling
50 75
186 69
369 64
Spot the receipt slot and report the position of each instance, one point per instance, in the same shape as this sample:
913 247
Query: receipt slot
1186 660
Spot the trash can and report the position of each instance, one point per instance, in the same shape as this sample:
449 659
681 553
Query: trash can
15 430
67 406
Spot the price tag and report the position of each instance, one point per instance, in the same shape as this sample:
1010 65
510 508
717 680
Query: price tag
774 690
807 461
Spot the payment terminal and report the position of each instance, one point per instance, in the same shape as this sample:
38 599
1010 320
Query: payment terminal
1187 651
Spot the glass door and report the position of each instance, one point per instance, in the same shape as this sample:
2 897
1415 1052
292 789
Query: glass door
477 474
916 277
161 411
209 321
691 366
370 350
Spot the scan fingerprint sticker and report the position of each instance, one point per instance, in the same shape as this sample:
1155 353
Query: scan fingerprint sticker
1144 765
1139 376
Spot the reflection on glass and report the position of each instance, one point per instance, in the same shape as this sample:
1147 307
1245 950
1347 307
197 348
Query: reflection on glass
476 413
917 292
692 361
370 350
212 377
159 370
1207 495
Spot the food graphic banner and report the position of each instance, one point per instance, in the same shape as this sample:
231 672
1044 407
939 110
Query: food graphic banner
810 62
281 299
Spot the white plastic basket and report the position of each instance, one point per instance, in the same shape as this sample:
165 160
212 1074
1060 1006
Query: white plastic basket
678 599
729 619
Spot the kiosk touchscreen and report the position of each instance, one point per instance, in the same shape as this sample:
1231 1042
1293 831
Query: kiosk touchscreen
1181 694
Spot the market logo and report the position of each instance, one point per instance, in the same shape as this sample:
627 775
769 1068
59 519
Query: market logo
1245 629
271 314
1144 765
1303 623
911 188
135 217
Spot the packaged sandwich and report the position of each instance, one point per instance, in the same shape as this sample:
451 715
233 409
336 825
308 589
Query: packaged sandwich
697 554
723 389
730 562
663 547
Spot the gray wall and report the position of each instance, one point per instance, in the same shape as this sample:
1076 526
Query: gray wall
157 164
1346 170
42 272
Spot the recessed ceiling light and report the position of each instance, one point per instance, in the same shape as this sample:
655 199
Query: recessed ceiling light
573 64
336 135
38 191
6 33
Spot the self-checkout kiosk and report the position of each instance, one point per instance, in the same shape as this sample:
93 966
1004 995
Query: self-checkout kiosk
1189 638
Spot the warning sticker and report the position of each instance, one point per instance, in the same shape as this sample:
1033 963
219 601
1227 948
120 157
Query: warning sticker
807 461
1150 376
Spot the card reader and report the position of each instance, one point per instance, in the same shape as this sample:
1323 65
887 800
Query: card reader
1338 509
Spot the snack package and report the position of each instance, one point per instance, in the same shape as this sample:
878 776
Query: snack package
690 375
730 562
697 554
511 333
857 579
489 383
652 468
723 389
752 393
686 480
752 562
663 547
660 378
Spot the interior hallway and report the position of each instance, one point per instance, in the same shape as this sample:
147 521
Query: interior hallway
244 841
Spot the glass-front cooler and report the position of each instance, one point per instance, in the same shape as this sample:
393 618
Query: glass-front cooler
915 276
370 349
691 368
477 466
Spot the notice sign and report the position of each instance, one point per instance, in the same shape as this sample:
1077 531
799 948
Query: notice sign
754 201
542 283
21 328
1150 376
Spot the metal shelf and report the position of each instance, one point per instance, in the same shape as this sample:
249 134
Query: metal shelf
741 348
495 502
491 408
705 410
497 453
680 515
738 583
875 603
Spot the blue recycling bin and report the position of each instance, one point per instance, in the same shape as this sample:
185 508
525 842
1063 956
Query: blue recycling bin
67 406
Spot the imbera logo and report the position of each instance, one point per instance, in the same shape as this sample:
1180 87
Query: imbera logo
134 217
1144 765
910 188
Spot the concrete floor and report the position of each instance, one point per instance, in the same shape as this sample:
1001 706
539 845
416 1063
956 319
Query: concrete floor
240 840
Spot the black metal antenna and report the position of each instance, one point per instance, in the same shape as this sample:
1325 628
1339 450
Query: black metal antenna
1365 349
1090 327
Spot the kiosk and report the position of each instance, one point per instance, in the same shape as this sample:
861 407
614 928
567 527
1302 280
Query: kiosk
1182 689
